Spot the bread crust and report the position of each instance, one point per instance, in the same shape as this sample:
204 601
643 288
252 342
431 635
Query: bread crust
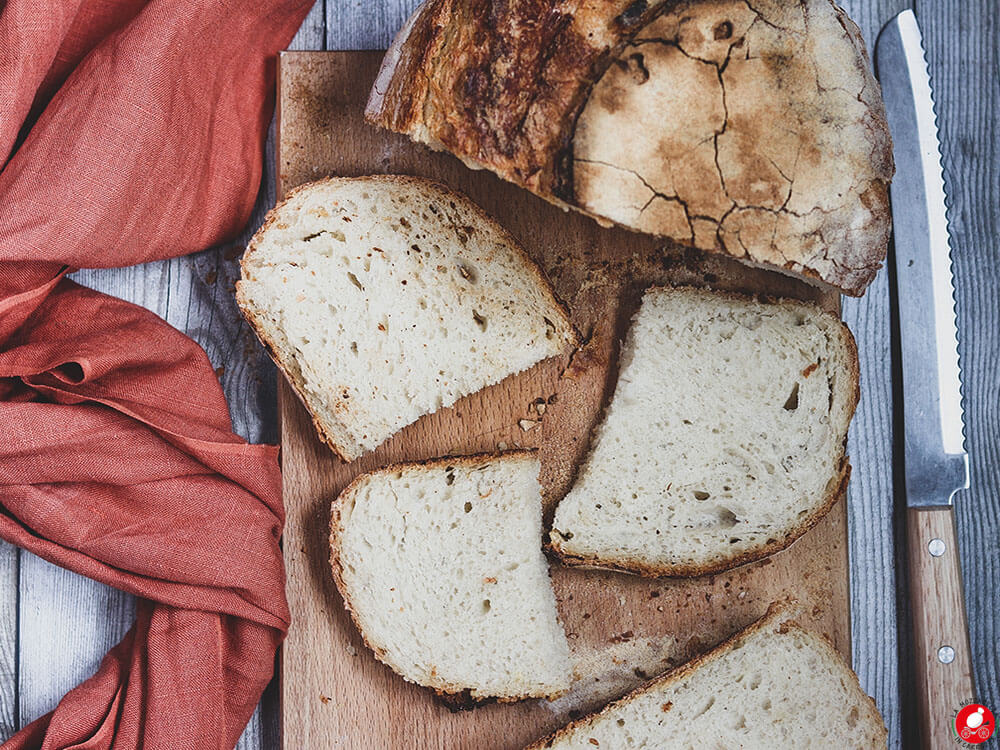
502 86
454 697
327 432
778 614
836 487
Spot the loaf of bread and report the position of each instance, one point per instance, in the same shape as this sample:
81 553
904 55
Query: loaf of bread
724 440
751 129
441 566
386 298
774 685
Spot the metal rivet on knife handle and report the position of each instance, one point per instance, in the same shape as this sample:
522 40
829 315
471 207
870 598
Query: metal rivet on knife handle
936 547
946 654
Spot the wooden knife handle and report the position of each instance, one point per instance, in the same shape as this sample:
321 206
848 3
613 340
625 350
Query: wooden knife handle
944 677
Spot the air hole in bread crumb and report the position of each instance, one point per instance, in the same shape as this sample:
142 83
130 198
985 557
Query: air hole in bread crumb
705 708
701 495
480 320
792 403
468 506
852 717
354 347
354 280
486 606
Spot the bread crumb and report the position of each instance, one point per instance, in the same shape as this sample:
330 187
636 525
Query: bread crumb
501 446
324 698
540 407
351 650
528 424
489 579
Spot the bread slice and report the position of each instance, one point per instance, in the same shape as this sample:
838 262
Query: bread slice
724 440
386 298
773 685
751 129
441 566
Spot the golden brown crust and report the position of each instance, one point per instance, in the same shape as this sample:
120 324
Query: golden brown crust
500 83
454 697
288 367
504 85
778 614
836 488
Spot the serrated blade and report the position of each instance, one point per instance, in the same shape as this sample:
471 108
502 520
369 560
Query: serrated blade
935 461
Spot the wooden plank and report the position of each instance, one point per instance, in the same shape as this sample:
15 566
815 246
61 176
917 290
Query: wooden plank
963 56
67 623
9 557
350 25
312 32
331 685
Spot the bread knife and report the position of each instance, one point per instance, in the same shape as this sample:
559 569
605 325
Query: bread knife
935 463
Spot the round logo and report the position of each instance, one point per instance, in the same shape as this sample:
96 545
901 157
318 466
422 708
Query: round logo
975 723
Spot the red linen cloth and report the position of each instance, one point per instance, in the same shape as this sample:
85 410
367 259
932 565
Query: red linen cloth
130 131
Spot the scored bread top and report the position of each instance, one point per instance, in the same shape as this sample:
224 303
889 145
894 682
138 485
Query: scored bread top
755 130
441 566
385 298
723 442
772 685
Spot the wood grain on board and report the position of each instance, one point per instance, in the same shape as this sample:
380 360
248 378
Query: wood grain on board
334 693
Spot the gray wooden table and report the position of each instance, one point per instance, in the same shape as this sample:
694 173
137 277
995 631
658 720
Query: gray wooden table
56 626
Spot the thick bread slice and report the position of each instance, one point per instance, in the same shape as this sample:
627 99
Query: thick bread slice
724 441
386 298
441 566
751 129
774 685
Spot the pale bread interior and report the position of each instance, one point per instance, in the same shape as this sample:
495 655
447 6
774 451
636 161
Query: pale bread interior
724 438
774 686
442 566
386 298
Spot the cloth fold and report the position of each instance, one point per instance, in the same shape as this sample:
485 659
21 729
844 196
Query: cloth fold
133 130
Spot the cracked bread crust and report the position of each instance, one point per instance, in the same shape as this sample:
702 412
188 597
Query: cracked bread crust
753 129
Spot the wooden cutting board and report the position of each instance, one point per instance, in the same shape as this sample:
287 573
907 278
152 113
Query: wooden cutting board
334 693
